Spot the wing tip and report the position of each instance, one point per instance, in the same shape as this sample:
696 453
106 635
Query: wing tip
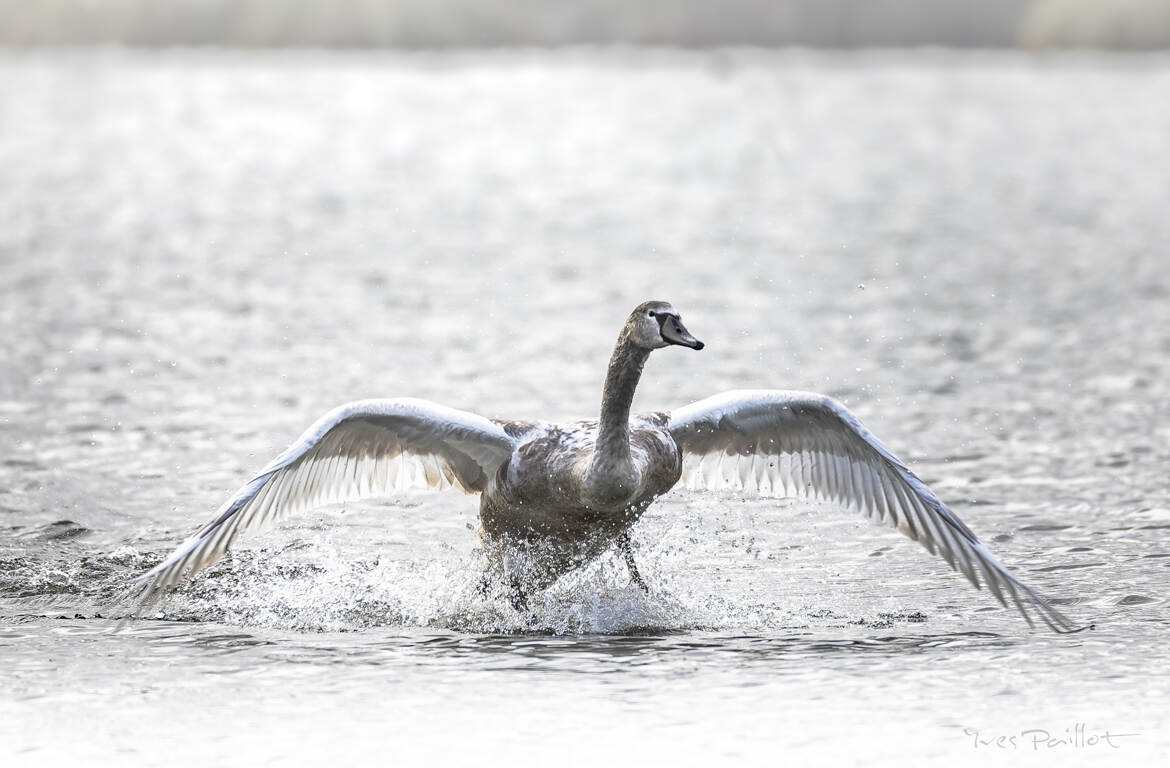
1060 623
1048 613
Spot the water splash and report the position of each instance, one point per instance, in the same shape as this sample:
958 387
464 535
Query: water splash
333 593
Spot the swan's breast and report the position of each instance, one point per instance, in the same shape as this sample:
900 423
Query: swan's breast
541 494
551 461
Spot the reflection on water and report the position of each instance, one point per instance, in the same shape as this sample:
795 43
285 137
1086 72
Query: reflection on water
203 252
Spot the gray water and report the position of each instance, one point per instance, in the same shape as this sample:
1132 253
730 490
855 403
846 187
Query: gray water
202 252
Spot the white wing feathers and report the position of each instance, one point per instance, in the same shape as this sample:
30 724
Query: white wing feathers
801 444
364 449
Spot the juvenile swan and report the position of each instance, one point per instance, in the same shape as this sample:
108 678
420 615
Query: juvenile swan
554 497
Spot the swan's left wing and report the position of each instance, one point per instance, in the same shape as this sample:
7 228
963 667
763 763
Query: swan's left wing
782 443
365 449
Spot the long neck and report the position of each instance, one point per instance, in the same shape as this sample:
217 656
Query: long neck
613 435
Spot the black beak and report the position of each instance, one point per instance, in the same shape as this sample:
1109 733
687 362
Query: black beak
674 332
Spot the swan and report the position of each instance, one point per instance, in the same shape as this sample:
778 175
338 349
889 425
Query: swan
555 497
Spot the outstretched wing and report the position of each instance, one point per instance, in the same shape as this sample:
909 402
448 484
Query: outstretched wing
364 449
802 444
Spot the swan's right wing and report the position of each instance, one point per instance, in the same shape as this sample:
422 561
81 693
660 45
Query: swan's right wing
364 449
781 443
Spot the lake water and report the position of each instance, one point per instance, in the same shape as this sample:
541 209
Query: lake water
202 252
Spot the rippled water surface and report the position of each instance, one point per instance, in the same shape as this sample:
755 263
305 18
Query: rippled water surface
201 253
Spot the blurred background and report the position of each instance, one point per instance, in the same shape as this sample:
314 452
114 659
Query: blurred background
1122 24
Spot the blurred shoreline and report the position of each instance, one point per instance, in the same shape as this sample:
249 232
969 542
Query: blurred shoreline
714 58
485 24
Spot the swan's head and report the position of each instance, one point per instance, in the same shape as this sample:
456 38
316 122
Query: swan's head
656 324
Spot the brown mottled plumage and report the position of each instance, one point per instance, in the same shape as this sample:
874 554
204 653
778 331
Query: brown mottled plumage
543 504
570 492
